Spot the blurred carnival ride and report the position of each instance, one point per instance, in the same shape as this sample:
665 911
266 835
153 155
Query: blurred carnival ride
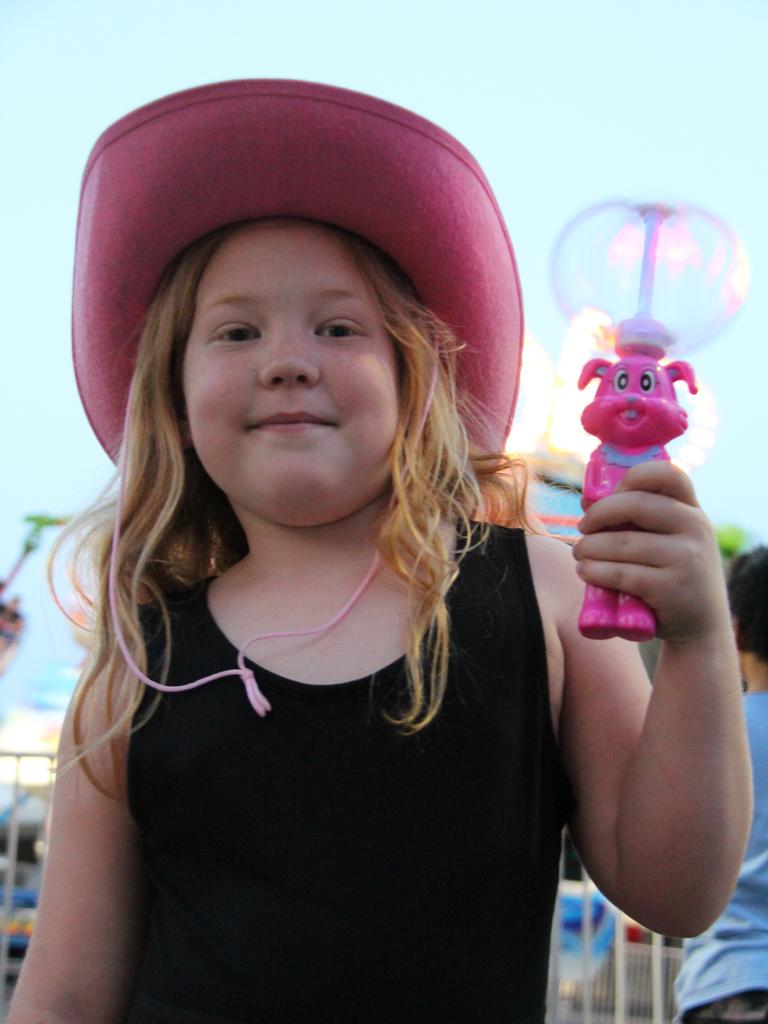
11 627
12 619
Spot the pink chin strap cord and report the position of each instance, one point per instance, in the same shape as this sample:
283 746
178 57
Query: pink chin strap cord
258 701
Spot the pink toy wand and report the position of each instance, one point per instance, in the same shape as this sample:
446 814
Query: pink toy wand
634 413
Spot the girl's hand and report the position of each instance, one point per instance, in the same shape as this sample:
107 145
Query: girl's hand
651 539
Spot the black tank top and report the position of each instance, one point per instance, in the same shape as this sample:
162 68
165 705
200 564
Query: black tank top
317 866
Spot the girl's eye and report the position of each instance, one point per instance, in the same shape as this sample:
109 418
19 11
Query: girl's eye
239 333
621 380
337 331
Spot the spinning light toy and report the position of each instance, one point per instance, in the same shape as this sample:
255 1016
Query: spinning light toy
635 411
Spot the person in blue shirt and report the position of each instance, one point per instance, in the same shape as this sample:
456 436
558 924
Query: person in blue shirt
725 973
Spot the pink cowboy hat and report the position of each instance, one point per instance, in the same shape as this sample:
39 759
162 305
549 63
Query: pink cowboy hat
175 169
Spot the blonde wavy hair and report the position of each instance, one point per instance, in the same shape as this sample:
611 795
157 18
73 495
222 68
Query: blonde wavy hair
178 528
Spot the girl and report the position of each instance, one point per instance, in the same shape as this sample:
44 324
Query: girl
319 763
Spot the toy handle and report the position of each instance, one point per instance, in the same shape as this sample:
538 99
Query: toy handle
607 613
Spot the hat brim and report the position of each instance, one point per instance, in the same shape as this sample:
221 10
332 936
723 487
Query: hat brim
243 150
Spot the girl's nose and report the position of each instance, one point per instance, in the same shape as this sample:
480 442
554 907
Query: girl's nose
288 365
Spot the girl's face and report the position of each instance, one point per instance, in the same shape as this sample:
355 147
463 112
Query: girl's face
290 380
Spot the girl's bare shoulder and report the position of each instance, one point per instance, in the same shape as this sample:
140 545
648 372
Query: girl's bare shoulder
558 592
586 677
554 573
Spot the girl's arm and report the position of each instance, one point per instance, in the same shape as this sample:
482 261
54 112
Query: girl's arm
661 776
88 936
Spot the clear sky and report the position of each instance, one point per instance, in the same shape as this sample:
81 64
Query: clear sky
564 104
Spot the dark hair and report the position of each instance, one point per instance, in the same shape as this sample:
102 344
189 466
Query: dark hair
748 597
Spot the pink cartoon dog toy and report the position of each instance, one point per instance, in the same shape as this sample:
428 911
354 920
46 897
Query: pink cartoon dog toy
634 413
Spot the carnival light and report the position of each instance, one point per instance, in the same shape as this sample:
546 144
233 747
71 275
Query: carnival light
588 331
537 375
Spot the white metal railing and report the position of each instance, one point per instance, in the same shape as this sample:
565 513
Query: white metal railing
614 980
26 788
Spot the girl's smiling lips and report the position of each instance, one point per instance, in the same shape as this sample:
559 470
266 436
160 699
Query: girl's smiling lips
289 419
